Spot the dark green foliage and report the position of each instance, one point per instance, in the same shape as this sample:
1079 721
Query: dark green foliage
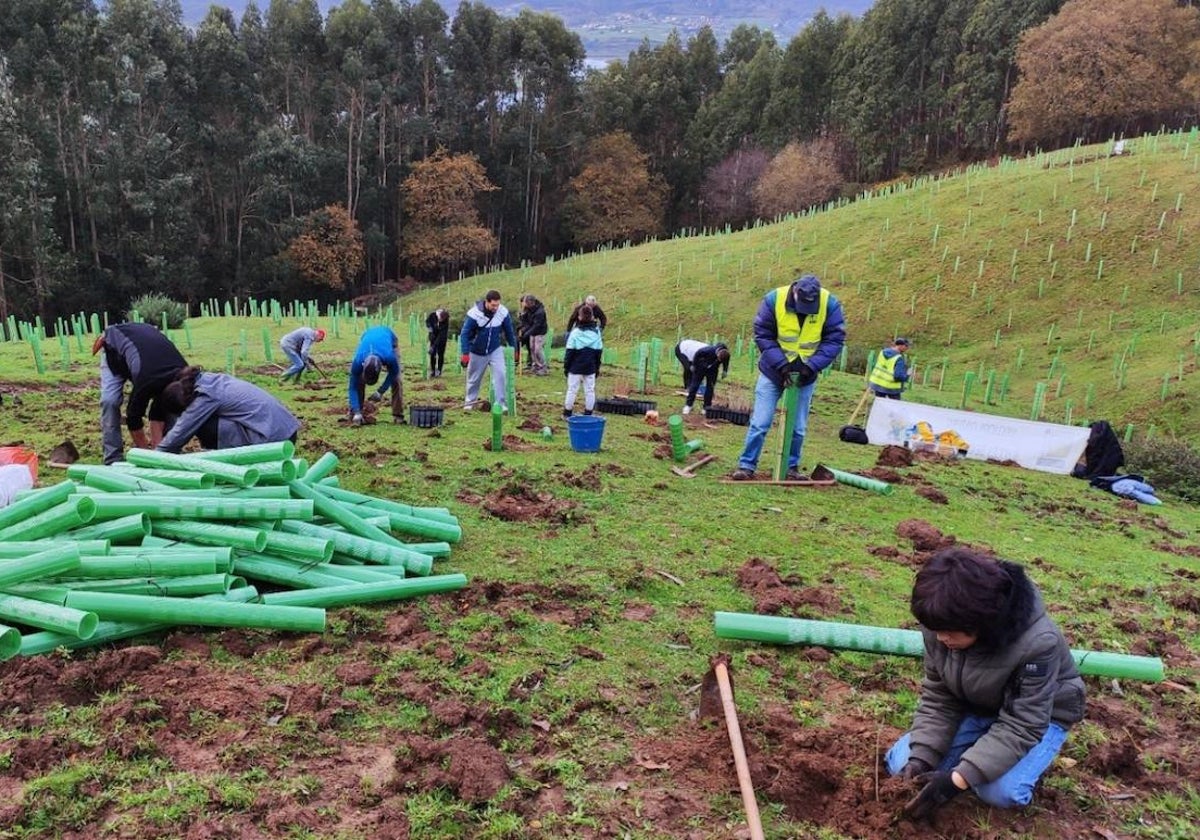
150 309
1170 465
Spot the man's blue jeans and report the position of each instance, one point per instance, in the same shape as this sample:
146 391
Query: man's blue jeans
766 397
297 361
1012 790
112 394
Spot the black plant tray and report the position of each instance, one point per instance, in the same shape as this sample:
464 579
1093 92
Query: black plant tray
629 408
720 412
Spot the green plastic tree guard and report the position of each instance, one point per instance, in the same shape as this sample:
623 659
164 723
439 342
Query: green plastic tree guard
180 479
362 500
186 586
366 593
36 502
123 529
252 454
73 622
224 473
285 573
275 472
794 631
824 473
23 548
339 513
497 427
678 443
203 507
210 533
116 607
363 549
163 564
791 403
221 556
75 511
10 642
424 527
433 549
115 481
322 467
55 560
313 549
33 644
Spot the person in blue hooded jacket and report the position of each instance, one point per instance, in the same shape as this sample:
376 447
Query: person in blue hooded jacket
486 328
581 361
799 331
890 371
378 348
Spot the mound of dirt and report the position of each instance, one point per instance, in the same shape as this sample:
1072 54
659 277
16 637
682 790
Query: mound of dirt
522 504
775 595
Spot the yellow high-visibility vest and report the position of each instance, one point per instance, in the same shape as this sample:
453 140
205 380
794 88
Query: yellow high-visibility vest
798 339
884 372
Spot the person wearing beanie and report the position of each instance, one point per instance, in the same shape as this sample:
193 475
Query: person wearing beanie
701 362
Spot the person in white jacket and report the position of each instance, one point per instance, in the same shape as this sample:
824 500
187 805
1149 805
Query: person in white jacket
581 361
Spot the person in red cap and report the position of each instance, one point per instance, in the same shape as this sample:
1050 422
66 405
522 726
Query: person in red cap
296 346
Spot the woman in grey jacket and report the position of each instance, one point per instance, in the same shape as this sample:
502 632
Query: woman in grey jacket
223 411
1000 690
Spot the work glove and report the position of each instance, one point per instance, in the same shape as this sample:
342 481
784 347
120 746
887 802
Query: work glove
357 419
802 374
914 768
938 790
465 360
687 409
376 396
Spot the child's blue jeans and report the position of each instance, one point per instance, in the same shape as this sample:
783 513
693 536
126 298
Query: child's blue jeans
1012 790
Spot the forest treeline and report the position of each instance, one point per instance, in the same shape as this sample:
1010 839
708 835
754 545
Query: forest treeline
286 154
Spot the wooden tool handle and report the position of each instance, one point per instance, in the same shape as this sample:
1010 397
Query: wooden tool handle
739 753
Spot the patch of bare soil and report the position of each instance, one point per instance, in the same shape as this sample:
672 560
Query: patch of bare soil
511 443
928 491
894 456
521 503
775 595
925 538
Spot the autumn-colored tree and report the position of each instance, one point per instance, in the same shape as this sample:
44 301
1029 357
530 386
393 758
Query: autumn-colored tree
614 197
725 197
329 248
800 176
1099 68
441 197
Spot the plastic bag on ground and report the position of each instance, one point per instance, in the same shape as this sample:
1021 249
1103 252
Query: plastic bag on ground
13 478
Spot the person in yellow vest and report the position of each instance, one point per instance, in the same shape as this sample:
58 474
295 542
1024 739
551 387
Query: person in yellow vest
890 371
799 331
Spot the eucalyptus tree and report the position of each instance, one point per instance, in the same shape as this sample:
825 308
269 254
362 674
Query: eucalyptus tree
802 90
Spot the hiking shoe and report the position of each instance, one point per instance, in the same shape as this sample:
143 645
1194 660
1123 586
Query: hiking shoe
742 475
794 474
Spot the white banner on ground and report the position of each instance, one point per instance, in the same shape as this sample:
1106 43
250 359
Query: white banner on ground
1048 447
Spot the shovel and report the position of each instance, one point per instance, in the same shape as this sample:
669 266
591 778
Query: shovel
716 700
309 362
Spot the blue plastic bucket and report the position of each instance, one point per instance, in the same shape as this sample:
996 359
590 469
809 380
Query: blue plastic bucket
585 432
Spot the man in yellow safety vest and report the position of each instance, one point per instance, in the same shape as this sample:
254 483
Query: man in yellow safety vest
890 371
799 331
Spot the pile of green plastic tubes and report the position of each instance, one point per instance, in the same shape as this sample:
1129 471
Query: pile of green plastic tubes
250 537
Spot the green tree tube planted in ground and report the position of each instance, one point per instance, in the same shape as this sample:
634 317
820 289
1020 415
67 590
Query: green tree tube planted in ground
794 631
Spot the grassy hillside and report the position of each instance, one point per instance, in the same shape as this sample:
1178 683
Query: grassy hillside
1075 270
554 697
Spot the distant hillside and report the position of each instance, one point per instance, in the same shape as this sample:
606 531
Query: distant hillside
613 28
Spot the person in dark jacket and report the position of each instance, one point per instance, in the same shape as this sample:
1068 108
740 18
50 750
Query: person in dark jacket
1000 691
486 328
701 362
1102 455
581 361
223 411
799 331
142 355
890 372
597 313
532 334
378 348
438 325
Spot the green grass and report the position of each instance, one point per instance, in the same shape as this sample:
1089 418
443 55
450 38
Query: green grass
583 636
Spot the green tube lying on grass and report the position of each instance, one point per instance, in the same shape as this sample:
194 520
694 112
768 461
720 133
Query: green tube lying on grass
54 561
52 617
251 454
10 642
75 511
208 533
181 479
351 498
366 593
363 549
225 473
115 607
36 502
830 634
824 473
33 644
203 507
